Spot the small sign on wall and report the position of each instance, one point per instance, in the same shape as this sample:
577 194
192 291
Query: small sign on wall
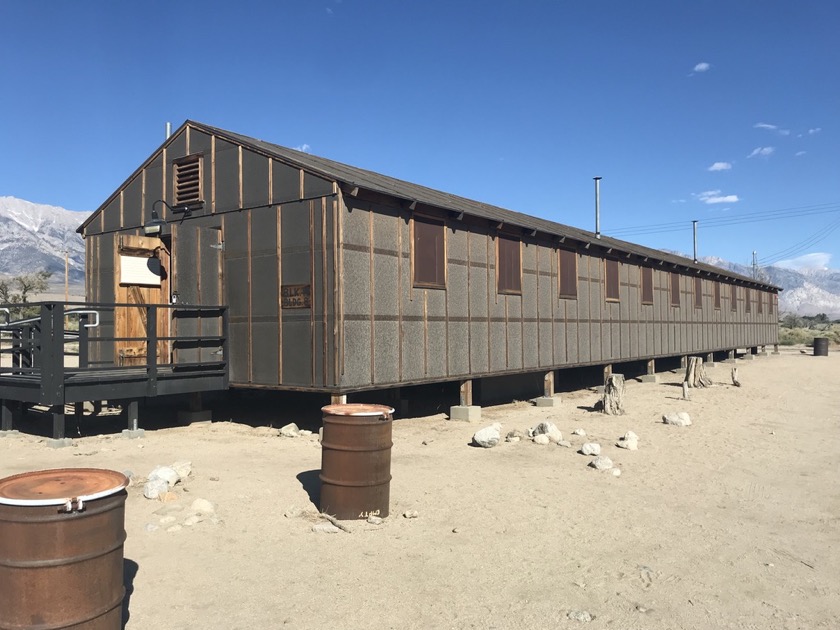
296 296
140 270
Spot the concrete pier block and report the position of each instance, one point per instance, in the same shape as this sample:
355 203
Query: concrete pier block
547 401
649 378
133 434
465 413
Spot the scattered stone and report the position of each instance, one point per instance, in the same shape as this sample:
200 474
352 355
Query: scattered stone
488 437
166 520
579 615
630 436
514 436
579 432
293 512
678 419
591 448
305 432
601 463
565 443
154 488
184 469
456 530
374 520
202 506
132 478
411 514
168 497
214 478
290 430
169 508
325 528
546 428
616 472
174 528
542 439
630 445
167 473
151 527
194 519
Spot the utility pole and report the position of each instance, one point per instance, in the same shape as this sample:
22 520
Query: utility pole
694 226
755 265
66 278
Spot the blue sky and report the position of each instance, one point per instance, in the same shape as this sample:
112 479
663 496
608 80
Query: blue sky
719 111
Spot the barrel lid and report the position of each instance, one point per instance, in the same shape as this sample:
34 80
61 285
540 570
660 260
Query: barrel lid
58 486
357 409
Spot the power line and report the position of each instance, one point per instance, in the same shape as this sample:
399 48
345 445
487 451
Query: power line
801 246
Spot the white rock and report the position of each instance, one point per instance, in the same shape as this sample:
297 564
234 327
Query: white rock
202 506
174 528
167 473
601 463
579 432
678 419
166 520
513 439
374 520
153 488
579 615
630 436
616 472
630 445
488 437
514 436
184 469
565 443
325 528
151 527
194 519
591 448
542 438
546 428
411 514
290 430
305 433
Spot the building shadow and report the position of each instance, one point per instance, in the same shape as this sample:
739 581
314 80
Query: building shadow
130 569
312 484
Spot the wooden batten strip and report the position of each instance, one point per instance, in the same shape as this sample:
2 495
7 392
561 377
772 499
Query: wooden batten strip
324 292
279 210
372 292
399 224
212 174
311 286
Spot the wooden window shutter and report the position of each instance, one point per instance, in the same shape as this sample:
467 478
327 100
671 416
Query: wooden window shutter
429 254
568 274
675 289
733 297
612 290
647 285
698 293
717 295
509 265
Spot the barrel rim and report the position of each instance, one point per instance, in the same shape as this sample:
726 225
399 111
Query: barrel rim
357 409
103 483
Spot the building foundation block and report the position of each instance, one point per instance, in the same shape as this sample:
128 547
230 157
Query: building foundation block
465 413
649 378
547 401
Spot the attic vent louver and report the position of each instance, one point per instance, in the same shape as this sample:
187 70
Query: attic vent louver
187 182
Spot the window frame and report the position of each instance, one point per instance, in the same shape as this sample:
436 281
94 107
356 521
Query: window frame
717 295
499 275
733 297
698 292
573 255
675 289
646 272
747 300
437 283
760 300
616 294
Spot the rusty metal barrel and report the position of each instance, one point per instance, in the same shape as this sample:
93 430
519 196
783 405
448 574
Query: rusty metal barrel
356 460
820 346
61 549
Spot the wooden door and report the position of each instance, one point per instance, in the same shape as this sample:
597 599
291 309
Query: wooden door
141 273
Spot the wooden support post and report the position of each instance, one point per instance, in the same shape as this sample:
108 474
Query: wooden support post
607 372
651 366
695 373
337 399
683 362
58 422
548 384
466 394
97 407
78 410
196 403
710 357
6 415
775 348
132 412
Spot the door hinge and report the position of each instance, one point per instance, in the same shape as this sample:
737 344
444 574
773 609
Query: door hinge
220 246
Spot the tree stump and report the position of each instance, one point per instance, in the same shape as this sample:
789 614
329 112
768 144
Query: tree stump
685 391
613 402
695 373
734 376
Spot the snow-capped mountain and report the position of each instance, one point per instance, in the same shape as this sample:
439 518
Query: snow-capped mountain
35 236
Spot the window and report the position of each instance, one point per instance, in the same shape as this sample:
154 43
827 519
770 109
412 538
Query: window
187 181
647 285
747 301
612 280
568 274
760 301
733 297
717 296
698 293
675 289
509 267
429 254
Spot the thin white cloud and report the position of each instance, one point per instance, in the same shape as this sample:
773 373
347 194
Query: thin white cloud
304 147
677 200
714 196
816 260
815 130
765 126
720 166
800 153
329 11
784 132
702 67
762 152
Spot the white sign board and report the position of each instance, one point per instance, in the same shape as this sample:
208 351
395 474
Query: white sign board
140 270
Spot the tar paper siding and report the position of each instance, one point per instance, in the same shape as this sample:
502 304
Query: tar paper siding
393 332
264 224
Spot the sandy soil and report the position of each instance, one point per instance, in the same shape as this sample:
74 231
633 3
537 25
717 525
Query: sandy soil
733 522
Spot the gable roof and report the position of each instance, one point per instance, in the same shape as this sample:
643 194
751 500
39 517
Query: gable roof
352 177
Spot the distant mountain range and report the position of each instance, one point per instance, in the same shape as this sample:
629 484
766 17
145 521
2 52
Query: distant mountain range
36 236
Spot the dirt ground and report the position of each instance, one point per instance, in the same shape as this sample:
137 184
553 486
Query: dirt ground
732 522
